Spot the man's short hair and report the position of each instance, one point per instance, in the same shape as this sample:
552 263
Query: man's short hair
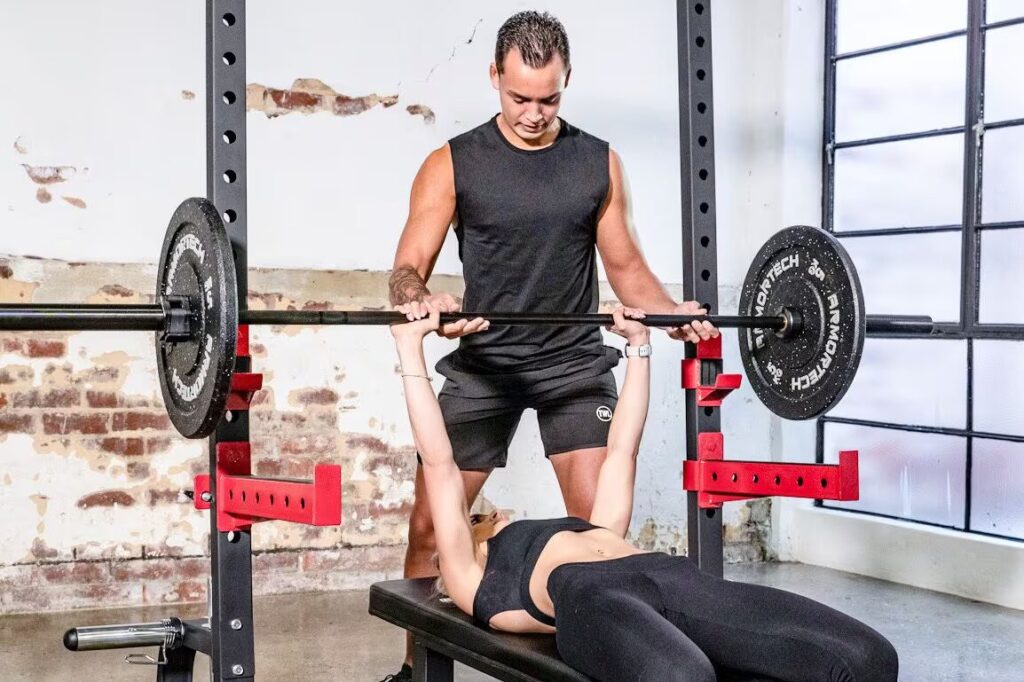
538 37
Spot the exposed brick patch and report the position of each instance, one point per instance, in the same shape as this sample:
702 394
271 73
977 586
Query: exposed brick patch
160 569
102 375
16 375
158 497
316 396
68 397
106 498
116 290
138 471
364 442
71 422
44 348
48 175
310 96
156 445
5 271
79 572
422 110
128 447
17 423
102 399
140 421
41 550
174 592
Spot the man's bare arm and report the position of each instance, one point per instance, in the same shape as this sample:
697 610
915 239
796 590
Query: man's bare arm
431 211
628 272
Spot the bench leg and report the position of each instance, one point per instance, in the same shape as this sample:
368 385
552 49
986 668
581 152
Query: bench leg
431 666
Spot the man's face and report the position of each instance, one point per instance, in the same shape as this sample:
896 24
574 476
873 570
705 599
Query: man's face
530 98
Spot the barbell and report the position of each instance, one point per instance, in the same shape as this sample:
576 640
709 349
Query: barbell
802 316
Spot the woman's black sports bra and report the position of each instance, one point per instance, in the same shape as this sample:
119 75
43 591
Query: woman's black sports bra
511 557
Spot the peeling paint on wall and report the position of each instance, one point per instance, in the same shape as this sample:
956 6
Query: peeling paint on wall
21 146
421 110
310 96
74 201
48 175
43 196
188 95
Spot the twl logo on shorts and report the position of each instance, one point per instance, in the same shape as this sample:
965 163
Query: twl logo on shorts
604 413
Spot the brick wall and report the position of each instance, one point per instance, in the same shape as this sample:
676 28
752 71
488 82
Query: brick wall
93 473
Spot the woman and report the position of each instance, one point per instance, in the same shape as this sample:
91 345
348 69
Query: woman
618 613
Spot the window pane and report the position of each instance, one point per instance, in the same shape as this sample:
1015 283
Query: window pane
909 274
1002 276
998 10
1002 175
1004 54
906 90
915 476
999 387
868 23
900 184
997 479
910 381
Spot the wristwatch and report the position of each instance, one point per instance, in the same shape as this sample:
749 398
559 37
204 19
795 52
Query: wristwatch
642 351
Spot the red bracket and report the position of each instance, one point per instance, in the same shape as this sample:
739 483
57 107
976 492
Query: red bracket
717 481
709 395
244 499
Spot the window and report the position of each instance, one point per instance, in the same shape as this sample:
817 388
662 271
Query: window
923 177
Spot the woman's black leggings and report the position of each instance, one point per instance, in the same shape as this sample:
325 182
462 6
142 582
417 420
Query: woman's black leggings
656 617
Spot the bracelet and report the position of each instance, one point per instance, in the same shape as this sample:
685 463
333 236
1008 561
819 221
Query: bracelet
417 376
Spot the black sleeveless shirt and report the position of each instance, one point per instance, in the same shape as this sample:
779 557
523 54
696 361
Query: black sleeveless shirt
527 228
511 557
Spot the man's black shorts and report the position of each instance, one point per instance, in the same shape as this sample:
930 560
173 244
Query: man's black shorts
574 403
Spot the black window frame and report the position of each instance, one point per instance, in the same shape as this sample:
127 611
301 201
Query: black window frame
973 130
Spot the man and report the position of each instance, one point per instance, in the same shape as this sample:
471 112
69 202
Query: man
530 196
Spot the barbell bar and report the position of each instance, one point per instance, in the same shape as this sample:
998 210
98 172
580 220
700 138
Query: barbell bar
801 312
157 318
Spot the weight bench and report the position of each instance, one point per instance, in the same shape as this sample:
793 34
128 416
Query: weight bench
443 634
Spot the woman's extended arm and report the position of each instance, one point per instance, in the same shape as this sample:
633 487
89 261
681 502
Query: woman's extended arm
613 501
445 492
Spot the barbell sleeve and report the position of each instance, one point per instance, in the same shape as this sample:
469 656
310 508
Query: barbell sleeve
80 317
915 325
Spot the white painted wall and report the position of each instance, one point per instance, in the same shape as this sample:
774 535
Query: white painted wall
330 193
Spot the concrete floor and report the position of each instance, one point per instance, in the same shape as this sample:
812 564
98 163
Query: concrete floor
331 637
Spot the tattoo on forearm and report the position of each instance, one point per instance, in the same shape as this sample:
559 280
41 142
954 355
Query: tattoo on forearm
406 285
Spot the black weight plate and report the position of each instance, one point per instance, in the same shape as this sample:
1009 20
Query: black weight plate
801 376
195 373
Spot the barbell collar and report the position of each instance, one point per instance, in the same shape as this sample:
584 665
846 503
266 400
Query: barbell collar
80 317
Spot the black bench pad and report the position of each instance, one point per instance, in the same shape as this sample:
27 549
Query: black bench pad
410 604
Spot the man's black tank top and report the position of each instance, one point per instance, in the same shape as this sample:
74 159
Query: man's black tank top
511 557
527 227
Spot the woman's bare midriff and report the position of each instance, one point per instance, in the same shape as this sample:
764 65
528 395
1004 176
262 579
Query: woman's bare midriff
568 547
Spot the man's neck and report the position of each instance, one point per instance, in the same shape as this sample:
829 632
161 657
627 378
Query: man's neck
545 140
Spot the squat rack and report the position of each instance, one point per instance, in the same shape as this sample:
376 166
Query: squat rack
227 635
